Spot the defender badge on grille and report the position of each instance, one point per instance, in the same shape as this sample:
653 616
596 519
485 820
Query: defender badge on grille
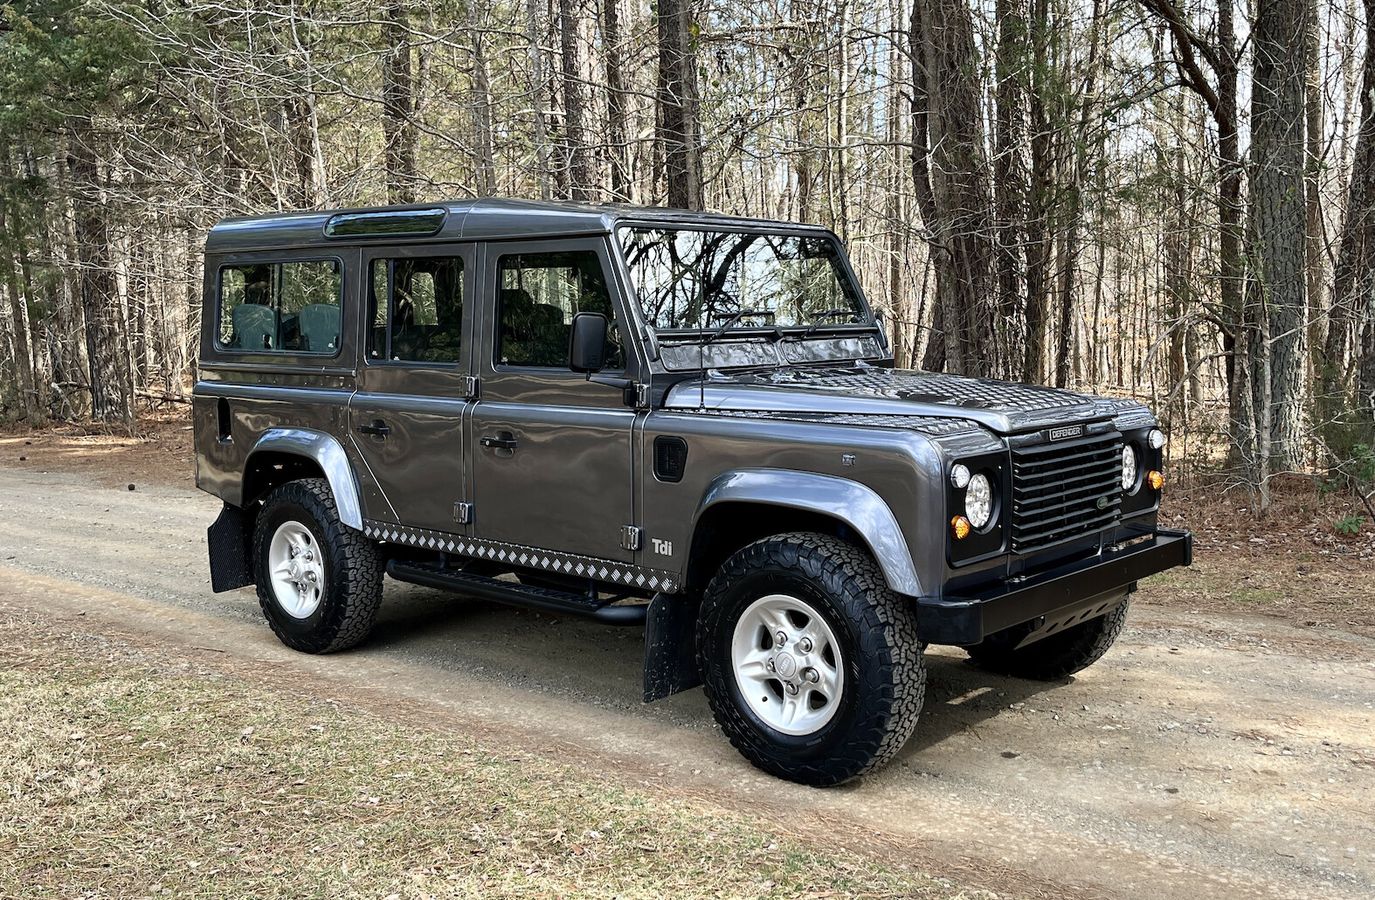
1068 431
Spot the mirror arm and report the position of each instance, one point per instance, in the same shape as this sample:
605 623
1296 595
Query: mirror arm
626 385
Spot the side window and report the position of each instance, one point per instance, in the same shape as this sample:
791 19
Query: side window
416 309
538 294
285 307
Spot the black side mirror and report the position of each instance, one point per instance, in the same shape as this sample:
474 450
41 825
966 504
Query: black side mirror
587 342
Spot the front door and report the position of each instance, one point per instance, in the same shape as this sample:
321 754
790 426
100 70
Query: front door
551 450
406 419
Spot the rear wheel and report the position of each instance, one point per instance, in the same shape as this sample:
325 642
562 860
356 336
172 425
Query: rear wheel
319 581
1055 657
812 666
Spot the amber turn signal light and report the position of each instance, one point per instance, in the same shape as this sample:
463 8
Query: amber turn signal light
960 525
1155 480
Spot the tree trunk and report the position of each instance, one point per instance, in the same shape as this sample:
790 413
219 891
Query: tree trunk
1038 241
616 129
574 142
482 105
537 87
398 104
1009 174
677 106
958 213
1353 280
1315 258
110 399
18 304
1231 259
1277 230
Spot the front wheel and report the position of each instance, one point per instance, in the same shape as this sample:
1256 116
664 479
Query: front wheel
319 581
812 666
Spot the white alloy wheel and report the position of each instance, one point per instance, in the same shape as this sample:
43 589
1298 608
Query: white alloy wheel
297 569
788 665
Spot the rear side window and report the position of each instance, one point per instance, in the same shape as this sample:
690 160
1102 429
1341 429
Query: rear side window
538 294
416 309
281 307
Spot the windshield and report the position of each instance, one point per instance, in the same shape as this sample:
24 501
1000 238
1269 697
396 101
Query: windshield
689 279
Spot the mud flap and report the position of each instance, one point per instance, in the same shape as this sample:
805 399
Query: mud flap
227 540
670 647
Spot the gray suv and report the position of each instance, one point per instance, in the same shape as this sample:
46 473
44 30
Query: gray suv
681 421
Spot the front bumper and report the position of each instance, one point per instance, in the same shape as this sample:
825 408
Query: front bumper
1058 595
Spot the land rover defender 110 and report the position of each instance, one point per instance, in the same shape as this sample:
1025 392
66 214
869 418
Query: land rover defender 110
686 422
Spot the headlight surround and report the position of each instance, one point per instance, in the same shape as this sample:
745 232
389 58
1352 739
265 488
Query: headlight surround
978 501
1131 469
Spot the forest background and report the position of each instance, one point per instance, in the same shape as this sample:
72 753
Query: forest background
1166 199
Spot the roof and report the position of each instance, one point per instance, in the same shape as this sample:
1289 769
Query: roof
484 219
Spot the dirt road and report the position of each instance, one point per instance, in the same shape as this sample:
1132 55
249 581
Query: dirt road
1207 755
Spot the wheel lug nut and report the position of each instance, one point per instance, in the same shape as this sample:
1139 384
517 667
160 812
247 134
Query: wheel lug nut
792 688
811 675
805 645
770 664
780 639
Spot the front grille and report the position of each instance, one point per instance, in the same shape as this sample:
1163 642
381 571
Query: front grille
1063 490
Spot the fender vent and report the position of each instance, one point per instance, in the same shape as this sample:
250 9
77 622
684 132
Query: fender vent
670 458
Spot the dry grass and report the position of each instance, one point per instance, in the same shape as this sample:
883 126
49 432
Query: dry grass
1290 563
128 775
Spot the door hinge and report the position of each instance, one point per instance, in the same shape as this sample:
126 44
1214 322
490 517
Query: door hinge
642 396
470 387
630 537
463 513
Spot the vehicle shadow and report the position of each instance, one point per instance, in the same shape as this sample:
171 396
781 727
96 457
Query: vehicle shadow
603 664
960 696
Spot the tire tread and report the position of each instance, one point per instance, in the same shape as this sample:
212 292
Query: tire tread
886 632
355 571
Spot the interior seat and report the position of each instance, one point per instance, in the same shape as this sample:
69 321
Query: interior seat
319 324
255 327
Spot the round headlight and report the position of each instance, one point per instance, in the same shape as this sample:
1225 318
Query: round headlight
959 476
1156 438
1129 469
978 501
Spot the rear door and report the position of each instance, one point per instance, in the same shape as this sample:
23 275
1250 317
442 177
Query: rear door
552 466
406 419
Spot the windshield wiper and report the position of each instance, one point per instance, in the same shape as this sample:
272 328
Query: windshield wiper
720 330
825 315
731 320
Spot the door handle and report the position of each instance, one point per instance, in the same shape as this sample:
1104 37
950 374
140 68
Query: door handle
499 442
377 427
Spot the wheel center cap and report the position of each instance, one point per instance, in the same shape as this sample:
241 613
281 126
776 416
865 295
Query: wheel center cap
785 665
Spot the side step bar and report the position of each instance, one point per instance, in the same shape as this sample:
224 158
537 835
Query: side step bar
515 594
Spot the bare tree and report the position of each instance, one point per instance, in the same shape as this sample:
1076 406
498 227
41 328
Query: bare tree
951 173
1276 228
398 99
679 131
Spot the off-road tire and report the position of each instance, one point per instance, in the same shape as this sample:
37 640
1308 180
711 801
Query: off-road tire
1056 657
884 674
353 570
